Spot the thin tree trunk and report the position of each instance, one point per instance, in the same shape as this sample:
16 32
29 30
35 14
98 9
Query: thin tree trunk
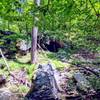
34 36
34 45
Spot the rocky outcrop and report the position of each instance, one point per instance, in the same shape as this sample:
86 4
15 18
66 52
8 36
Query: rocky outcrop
45 86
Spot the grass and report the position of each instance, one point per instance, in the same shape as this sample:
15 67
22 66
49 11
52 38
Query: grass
42 59
22 62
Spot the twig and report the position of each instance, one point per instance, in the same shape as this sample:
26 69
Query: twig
42 49
8 68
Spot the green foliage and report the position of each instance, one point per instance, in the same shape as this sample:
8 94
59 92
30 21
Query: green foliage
23 89
69 20
73 21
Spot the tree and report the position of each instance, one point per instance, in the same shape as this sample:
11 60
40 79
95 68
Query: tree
75 19
34 36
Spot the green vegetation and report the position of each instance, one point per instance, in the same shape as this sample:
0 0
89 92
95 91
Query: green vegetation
76 23
69 20
23 62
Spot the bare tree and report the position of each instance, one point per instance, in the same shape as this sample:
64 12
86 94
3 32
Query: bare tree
34 36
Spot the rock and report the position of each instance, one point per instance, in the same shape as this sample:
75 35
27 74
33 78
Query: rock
6 32
23 46
96 70
2 66
10 54
2 80
7 95
46 84
82 82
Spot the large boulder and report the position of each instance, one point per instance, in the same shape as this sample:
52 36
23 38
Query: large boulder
23 46
45 86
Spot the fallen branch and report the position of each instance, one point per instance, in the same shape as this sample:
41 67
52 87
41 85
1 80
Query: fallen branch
42 49
8 69
88 69
20 81
95 73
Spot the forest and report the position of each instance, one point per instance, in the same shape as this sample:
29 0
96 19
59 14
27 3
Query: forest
49 49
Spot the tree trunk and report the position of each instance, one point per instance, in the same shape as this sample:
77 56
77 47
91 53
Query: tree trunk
34 36
34 45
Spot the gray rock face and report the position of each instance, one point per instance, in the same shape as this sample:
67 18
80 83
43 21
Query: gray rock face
7 95
45 84
24 45
82 82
